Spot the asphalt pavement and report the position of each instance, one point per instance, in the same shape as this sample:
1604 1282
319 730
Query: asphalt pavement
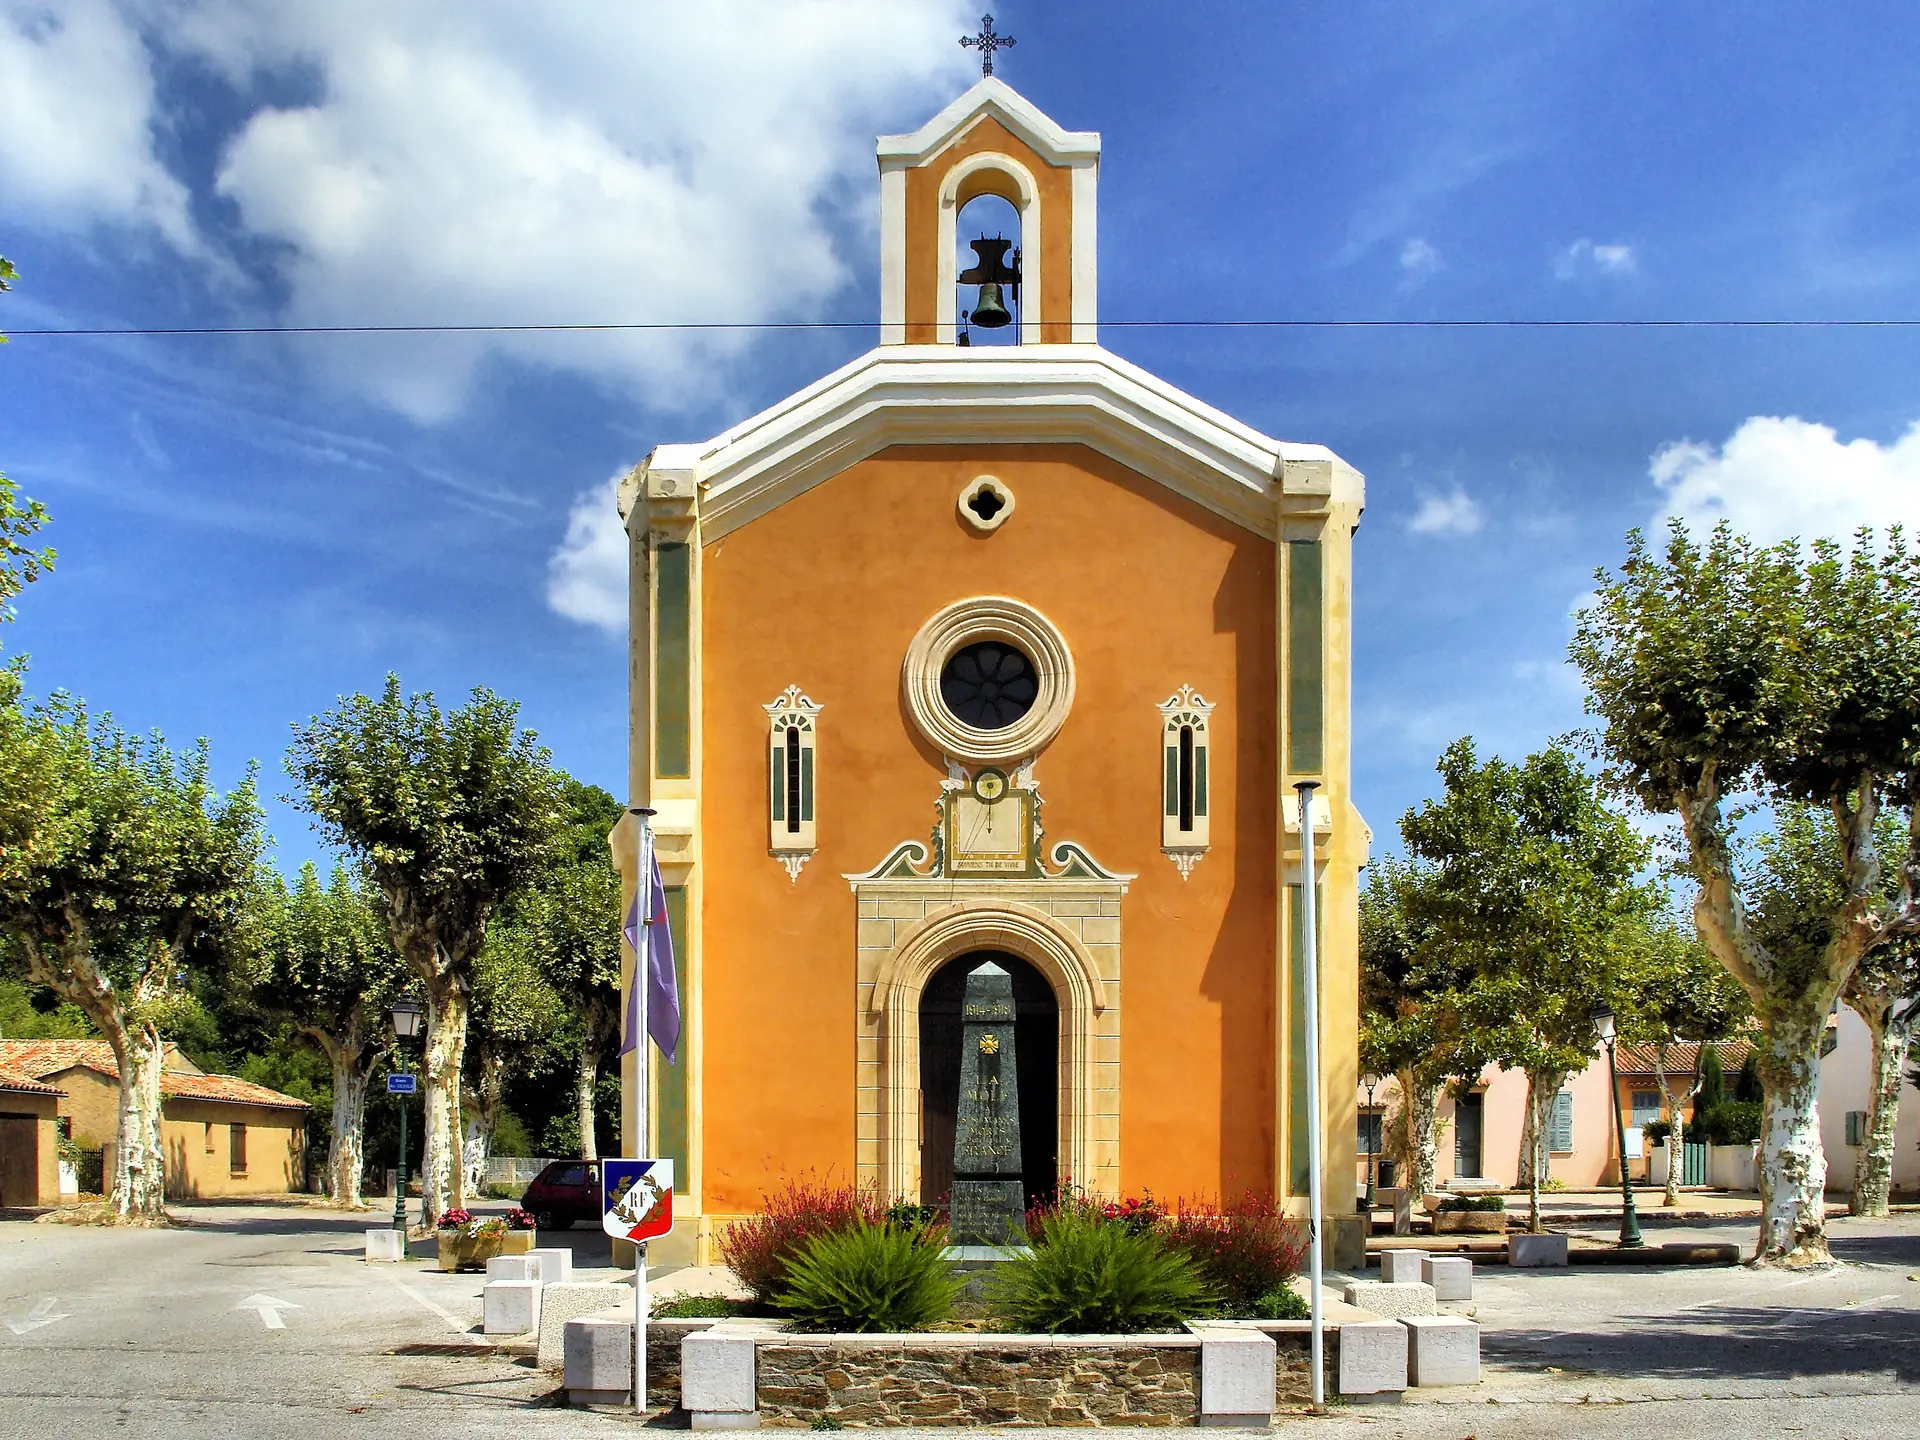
260 1320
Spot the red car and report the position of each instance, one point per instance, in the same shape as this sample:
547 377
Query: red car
566 1191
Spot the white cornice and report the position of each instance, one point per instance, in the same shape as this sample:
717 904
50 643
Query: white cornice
1058 394
1010 108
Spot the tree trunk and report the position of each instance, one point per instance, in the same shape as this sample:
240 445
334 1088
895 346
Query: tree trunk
346 1152
1677 1132
586 1079
1873 1171
1793 1165
1421 1104
489 1097
1523 1167
1542 1090
443 1178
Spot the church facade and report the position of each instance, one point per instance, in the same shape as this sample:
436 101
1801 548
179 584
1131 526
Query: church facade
979 653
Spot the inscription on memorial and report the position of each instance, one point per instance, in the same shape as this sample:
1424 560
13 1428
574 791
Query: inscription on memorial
988 1204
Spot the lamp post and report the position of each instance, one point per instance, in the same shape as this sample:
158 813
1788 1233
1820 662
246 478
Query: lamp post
1371 1081
1630 1238
406 1025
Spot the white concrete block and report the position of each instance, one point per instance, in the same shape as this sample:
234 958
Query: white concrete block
386 1243
1402 1267
1236 1377
1529 1251
1392 1300
561 1303
511 1267
1402 1212
1442 1350
1373 1358
598 1355
556 1264
510 1307
717 1374
726 1420
1451 1276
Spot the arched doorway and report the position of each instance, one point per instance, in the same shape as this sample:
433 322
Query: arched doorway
1036 1043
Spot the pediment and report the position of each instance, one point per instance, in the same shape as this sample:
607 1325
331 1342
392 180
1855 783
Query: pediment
1061 394
993 97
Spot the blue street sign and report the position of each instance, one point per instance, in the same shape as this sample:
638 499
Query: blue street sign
403 1084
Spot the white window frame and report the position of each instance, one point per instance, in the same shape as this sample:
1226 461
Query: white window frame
1187 782
793 779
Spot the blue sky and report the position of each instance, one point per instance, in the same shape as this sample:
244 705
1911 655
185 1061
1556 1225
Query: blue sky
249 527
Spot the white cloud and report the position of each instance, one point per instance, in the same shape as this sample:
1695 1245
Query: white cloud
587 575
1780 478
76 101
492 162
1453 513
1583 257
1418 260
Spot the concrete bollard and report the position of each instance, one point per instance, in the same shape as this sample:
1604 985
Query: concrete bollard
511 1267
556 1264
598 1356
718 1380
1373 1360
387 1244
1402 1267
510 1307
1442 1350
1451 1276
1236 1377
1391 1300
1532 1251
1403 1212
561 1303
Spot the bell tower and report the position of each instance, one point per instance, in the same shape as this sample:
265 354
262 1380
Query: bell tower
990 141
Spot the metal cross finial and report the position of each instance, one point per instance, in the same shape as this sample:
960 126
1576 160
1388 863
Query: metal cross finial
986 42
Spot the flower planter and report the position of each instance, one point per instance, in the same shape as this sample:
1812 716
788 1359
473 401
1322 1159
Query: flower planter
471 1252
1469 1222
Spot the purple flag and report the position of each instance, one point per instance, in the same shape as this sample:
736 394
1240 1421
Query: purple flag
652 943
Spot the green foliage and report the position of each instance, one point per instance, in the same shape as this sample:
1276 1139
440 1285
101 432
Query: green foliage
1731 1122
321 959
1409 985
1671 990
20 519
1283 1303
1712 1090
451 813
760 1248
1086 1275
1746 1085
1243 1250
1657 1132
871 1277
700 1307
36 1013
1475 1204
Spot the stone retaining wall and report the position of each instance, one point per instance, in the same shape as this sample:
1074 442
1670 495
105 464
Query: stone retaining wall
1034 1381
1293 1362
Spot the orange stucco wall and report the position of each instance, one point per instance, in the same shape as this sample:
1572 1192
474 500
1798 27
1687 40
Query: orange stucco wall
1150 592
29 1150
1055 259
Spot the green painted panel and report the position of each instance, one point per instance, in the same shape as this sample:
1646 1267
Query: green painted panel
673 661
1200 779
1306 703
806 783
1173 780
670 1098
777 772
1298 1088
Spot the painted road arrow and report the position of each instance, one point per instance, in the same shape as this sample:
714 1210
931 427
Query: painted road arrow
269 1309
41 1314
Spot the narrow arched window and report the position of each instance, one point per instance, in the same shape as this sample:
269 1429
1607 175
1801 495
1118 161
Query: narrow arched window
793 739
1184 726
792 767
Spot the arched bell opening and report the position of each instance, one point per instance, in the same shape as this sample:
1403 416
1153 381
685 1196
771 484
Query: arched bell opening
1036 1044
988 265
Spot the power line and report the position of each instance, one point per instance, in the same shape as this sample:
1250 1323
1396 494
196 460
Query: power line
777 325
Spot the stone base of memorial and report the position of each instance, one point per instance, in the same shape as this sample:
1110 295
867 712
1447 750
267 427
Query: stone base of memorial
471 1252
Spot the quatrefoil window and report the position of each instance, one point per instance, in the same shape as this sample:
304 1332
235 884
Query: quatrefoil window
985 504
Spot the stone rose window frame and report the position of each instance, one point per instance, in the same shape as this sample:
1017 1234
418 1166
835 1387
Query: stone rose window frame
967 622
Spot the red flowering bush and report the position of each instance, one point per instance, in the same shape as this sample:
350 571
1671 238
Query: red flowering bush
518 1219
1137 1214
454 1219
1246 1250
760 1248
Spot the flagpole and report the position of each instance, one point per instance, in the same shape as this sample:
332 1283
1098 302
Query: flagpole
1309 961
642 1061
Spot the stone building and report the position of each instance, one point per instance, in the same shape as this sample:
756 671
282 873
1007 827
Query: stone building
220 1135
29 1140
991 645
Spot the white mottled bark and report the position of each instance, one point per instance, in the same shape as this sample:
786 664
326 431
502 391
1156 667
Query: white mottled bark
586 1079
443 1179
1873 1170
1421 1104
347 1150
140 1181
1793 1164
1677 1135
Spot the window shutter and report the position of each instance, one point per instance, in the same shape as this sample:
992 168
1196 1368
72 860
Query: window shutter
1560 1137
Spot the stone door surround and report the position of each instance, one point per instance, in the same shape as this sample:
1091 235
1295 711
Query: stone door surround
1069 930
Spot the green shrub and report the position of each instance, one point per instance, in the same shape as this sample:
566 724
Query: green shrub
1746 1085
699 1307
92 1172
1712 1091
1658 1132
1087 1275
1732 1122
760 1248
1282 1303
1474 1203
1243 1251
871 1277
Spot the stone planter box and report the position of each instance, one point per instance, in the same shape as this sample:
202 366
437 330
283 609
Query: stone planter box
1469 1222
471 1252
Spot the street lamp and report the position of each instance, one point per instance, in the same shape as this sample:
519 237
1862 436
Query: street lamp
1371 1081
1602 1017
406 1024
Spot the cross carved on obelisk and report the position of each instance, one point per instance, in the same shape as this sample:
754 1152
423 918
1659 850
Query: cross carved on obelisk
986 42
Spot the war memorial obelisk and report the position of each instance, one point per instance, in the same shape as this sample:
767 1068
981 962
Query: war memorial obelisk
988 1204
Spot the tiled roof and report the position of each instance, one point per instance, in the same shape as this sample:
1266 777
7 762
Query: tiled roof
21 1083
1638 1059
229 1089
179 1077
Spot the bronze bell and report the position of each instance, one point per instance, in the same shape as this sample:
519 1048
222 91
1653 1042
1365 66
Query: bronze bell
990 271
